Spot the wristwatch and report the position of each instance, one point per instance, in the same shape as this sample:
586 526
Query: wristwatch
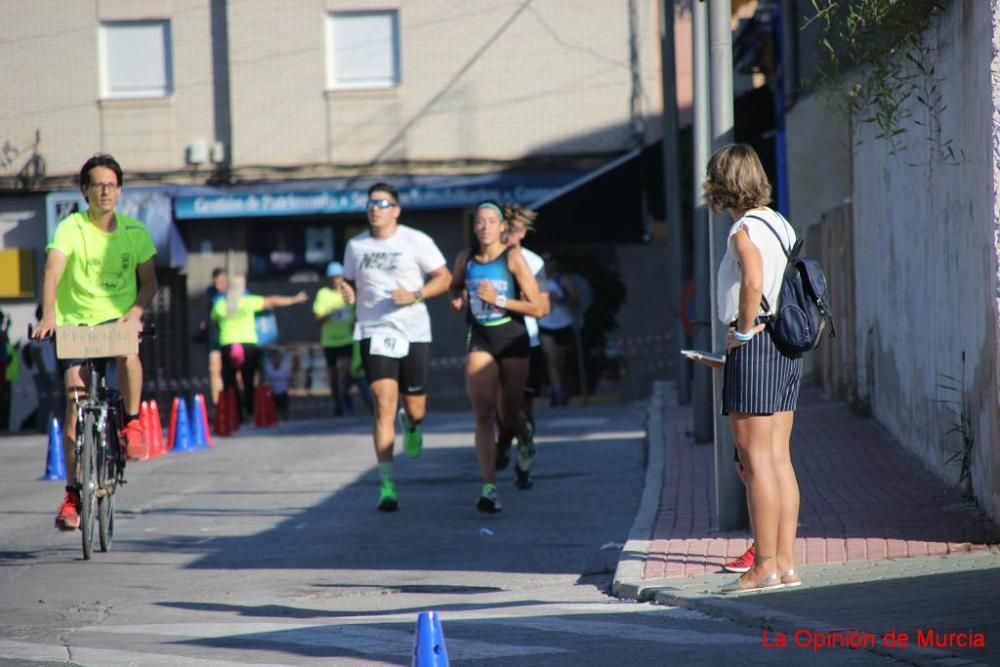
501 301
417 298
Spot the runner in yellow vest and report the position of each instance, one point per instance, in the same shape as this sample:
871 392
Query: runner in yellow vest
336 318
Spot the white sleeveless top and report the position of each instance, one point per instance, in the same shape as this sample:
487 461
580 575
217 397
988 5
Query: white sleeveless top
771 252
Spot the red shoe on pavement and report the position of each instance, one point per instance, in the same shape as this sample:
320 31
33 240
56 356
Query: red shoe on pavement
135 442
741 564
68 517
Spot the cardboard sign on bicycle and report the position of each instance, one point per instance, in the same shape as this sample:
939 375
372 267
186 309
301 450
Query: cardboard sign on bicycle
117 339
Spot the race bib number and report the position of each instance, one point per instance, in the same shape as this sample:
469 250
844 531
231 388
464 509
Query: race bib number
389 345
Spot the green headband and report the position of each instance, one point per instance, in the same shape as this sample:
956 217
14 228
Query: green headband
492 206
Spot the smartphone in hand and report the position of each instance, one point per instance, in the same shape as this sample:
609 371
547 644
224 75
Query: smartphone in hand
710 359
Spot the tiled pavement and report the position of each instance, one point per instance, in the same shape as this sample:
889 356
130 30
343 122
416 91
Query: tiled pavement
883 544
864 498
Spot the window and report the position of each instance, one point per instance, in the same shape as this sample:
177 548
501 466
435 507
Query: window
363 49
135 59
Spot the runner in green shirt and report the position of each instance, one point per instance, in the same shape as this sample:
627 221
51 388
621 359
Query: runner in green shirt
336 318
99 268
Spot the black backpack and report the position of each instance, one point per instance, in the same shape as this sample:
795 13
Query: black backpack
803 303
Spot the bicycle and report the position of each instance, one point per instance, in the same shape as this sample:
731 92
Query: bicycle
100 453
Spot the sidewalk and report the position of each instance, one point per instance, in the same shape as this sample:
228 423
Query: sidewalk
883 545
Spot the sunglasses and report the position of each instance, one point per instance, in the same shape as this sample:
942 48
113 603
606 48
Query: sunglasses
380 203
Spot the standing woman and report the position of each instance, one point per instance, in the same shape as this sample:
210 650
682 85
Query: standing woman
761 383
495 287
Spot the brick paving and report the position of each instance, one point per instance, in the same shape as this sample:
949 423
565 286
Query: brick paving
864 498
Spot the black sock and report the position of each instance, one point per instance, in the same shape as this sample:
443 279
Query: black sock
129 418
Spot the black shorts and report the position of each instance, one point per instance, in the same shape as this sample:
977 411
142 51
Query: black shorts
333 354
759 379
502 341
410 372
536 372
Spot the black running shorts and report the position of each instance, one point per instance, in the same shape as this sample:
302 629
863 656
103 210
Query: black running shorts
410 371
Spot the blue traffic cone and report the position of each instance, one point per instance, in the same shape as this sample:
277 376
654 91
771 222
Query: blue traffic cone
182 439
55 464
428 646
197 433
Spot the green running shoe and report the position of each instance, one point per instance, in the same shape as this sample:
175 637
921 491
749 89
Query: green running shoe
489 501
413 439
387 500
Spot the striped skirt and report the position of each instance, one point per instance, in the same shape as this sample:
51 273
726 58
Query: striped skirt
759 379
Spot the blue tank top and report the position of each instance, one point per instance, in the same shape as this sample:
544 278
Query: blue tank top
503 281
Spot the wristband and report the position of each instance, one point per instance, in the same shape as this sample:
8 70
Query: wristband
743 337
417 298
501 301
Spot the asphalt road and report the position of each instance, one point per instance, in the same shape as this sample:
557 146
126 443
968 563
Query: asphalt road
267 549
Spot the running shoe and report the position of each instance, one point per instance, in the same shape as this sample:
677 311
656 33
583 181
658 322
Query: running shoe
741 564
387 499
68 517
413 439
522 478
489 502
135 441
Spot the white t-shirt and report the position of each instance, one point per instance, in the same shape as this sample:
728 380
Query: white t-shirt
377 267
535 265
771 253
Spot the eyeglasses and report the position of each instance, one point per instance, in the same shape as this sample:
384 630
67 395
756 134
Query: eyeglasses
380 203
104 187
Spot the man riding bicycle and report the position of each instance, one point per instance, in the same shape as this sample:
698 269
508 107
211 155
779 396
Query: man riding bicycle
99 269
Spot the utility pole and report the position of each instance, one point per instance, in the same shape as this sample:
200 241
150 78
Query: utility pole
704 417
672 196
730 494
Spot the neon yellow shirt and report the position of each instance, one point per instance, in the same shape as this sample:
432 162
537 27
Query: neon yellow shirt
99 282
239 326
338 329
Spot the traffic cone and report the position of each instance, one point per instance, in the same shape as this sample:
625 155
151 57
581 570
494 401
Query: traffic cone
154 435
272 415
182 438
197 435
55 463
203 414
223 420
233 410
263 406
428 645
172 425
144 423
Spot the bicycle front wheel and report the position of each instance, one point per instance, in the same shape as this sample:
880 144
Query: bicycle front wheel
107 472
88 483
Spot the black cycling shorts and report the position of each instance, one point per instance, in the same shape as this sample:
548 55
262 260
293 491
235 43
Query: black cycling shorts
410 371
503 341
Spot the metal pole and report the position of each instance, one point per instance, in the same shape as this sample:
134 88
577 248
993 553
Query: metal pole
704 416
672 194
730 496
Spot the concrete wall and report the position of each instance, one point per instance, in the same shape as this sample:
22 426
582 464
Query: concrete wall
819 160
555 80
926 261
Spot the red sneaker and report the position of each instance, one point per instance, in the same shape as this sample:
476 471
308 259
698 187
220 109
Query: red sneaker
135 441
68 517
741 564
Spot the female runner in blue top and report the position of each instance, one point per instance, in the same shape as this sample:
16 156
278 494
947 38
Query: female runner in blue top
495 287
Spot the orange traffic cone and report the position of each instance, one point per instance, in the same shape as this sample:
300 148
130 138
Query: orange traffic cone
233 410
143 449
172 424
221 419
154 434
272 415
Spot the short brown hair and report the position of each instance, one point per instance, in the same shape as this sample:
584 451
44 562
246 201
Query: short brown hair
735 179
382 186
516 213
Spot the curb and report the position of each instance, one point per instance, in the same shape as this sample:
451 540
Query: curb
629 585
628 573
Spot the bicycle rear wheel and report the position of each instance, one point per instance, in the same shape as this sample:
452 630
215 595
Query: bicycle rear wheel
88 483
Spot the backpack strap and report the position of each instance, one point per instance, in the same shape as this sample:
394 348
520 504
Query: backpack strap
789 254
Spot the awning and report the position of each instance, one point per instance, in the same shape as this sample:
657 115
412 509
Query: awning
348 195
153 206
611 204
